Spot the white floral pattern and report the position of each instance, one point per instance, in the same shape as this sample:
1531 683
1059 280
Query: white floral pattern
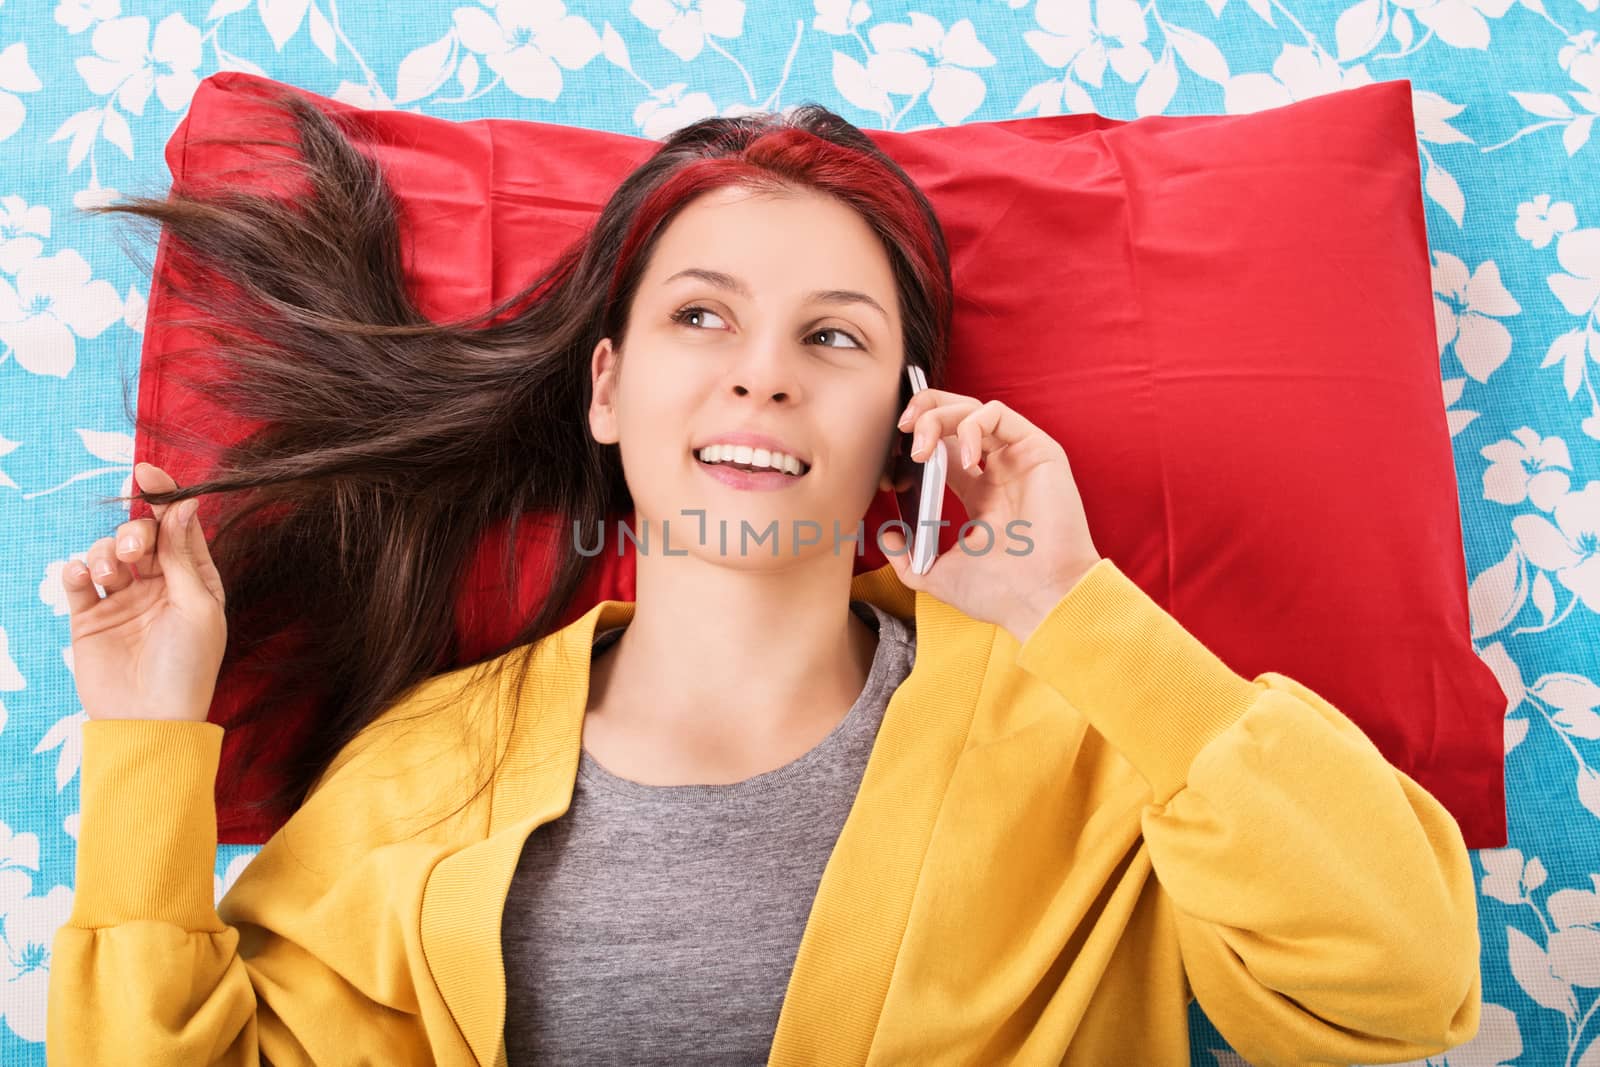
527 42
1462 310
683 27
1505 97
1462 23
53 304
21 228
16 76
126 62
28 921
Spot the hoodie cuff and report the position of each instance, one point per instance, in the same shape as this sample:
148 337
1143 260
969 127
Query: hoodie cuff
147 834
1148 685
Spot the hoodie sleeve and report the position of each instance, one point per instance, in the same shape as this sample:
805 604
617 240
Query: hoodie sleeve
1326 903
295 969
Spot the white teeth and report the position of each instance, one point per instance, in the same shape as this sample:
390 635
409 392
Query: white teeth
759 457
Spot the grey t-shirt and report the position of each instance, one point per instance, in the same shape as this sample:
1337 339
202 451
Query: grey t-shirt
659 923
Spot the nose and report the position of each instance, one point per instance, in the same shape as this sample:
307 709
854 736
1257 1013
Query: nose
741 390
767 372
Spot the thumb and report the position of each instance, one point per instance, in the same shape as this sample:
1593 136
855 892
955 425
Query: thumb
897 550
175 549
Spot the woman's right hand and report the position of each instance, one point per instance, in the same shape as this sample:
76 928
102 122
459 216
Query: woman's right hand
151 648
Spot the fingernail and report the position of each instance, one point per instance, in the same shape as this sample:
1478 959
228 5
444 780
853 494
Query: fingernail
186 511
103 570
916 445
905 416
129 544
966 456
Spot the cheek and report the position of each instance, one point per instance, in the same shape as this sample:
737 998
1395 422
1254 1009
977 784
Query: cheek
861 448
660 405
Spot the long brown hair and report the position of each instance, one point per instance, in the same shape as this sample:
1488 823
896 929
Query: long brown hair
386 446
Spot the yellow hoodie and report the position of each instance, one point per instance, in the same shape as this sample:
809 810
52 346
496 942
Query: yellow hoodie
1055 847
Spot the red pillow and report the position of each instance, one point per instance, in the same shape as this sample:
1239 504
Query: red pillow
1227 322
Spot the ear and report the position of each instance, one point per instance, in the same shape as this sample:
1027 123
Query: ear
602 406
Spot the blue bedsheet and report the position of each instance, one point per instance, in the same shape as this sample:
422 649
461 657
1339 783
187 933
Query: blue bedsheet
1507 95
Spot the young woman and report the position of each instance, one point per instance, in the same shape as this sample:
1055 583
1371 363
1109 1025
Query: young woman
1008 811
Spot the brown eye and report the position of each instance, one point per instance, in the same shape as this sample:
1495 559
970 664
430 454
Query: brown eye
683 315
842 333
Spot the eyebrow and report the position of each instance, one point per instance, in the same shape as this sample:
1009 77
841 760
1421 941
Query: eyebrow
820 296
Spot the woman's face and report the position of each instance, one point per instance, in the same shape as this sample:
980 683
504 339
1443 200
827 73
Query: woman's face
794 333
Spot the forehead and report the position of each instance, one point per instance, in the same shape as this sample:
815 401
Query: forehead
777 242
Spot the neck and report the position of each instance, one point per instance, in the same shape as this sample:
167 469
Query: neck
734 645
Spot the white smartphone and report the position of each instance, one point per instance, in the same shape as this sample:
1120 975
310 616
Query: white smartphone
919 487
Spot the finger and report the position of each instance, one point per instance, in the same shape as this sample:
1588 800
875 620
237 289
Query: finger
937 422
927 399
979 447
895 551
200 552
970 445
136 543
964 482
81 593
110 572
153 479
1004 424
175 551
999 424
922 445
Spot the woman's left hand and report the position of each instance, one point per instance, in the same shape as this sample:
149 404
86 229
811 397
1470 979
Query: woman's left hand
1018 472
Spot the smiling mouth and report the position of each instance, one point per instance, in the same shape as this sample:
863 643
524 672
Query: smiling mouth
752 467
